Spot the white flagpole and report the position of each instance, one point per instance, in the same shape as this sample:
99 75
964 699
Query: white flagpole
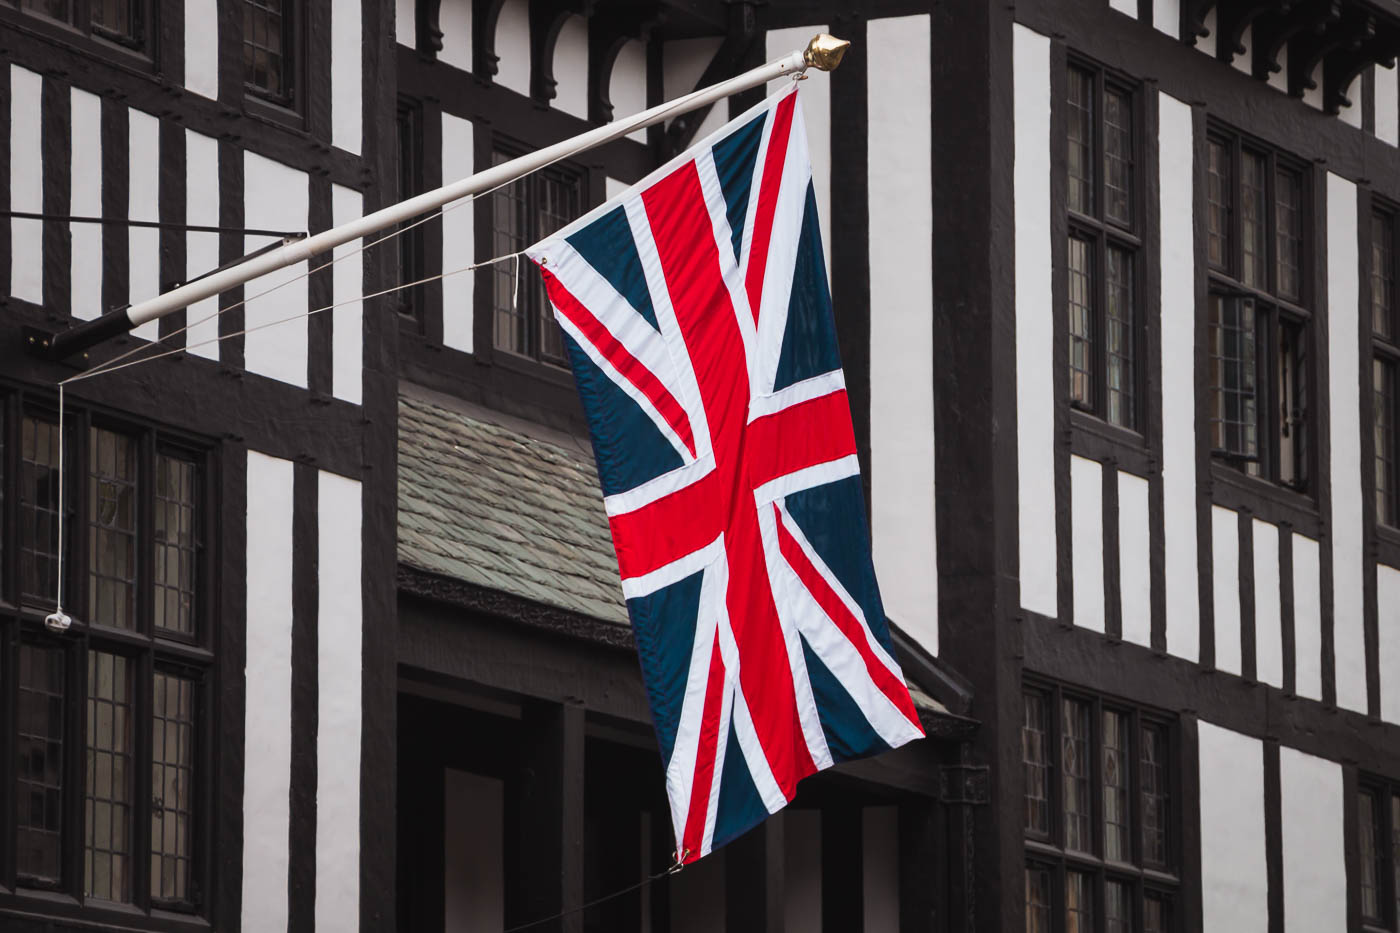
823 52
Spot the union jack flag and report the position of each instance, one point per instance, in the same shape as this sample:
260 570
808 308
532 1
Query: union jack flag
698 322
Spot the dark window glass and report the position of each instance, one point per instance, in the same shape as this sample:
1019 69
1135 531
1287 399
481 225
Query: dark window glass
108 798
523 213
1154 914
112 528
118 20
1075 765
1035 730
410 182
176 544
268 54
172 787
1254 221
1101 268
1234 422
1371 857
61 10
1079 903
1038 904
1395 851
1155 797
39 755
1291 391
1116 839
1382 276
1218 205
1118 907
1288 198
38 506
1081 141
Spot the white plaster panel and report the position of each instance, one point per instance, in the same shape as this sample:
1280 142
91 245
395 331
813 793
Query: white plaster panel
1268 606
571 67
1314 868
1125 6
455 21
814 98
26 184
1225 544
1307 617
901 333
1086 541
1035 331
339 671
267 760
612 187
1387 106
627 87
683 63
202 47
1347 506
1244 61
880 854
1278 80
1234 876
697 902
348 281
1206 44
347 91
1388 623
1176 188
143 243
473 817
406 22
802 869
458 247
1166 16
1135 558
85 200
275 198
1351 114
513 46
202 249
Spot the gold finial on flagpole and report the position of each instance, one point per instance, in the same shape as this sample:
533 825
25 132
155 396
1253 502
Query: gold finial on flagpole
824 52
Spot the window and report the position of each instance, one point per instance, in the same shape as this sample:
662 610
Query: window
123 22
1385 357
1103 245
1378 868
1259 331
410 181
269 50
109 738
523 213
1098 815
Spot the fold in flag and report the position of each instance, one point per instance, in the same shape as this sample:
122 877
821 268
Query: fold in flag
698 320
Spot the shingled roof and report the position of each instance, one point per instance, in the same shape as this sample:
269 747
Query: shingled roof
494 506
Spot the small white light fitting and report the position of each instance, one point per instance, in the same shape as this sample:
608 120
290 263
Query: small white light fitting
58 621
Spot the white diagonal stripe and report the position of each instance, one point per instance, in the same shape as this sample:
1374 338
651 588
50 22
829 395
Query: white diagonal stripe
806 478
796 394
675 571
629 500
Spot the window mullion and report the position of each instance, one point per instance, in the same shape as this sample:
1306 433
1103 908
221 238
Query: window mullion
75 777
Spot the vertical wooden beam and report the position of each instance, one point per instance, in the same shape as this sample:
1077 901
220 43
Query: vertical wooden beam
922 887
549 869
753 880
843 864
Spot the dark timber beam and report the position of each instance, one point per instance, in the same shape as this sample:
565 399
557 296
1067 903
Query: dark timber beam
1273 31
753 880
549 869
1340 33
843 867
732 55
1233 17
1193 19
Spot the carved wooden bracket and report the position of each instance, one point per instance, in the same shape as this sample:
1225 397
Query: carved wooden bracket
1341 33
1193 19
1340 69
1232 19
742 33
429 38
486 14
547 18
608 32
1274 31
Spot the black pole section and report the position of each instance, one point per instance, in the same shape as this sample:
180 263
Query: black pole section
65 343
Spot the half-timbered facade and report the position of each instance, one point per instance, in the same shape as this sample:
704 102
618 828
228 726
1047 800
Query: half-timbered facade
1115 291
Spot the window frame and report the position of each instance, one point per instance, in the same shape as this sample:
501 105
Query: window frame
1387 794
150 649
289 108
412 258
143 54
1386 351
1272 311
1050 852
1104 234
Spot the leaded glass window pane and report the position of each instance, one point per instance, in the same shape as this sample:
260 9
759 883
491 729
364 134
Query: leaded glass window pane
172 786
176 544
1079 903
1038 902
1076 766
112 528
1154 914
1219 206
39 757
1382 276
1118 156
1234 422
107 799
267 53
1081 321
1288 219
1254 221
119 20
38 506
1116 816
1118 907
1371 855
1120 338
1081 142
1156 796
61 10
1035 734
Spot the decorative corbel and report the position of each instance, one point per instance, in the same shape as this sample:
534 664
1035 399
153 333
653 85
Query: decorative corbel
429 18
733 52
547 18
1233 17
1338 33
1340 69
608 32
1193 19
486 14
1273 31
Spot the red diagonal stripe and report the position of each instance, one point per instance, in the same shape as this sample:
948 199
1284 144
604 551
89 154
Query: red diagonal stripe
667 529
832 604
693 837
624 362
768 201
811 432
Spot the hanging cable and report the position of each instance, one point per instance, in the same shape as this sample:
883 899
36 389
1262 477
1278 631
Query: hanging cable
674 869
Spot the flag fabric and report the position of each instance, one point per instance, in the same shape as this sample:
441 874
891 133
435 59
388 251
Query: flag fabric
699 326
